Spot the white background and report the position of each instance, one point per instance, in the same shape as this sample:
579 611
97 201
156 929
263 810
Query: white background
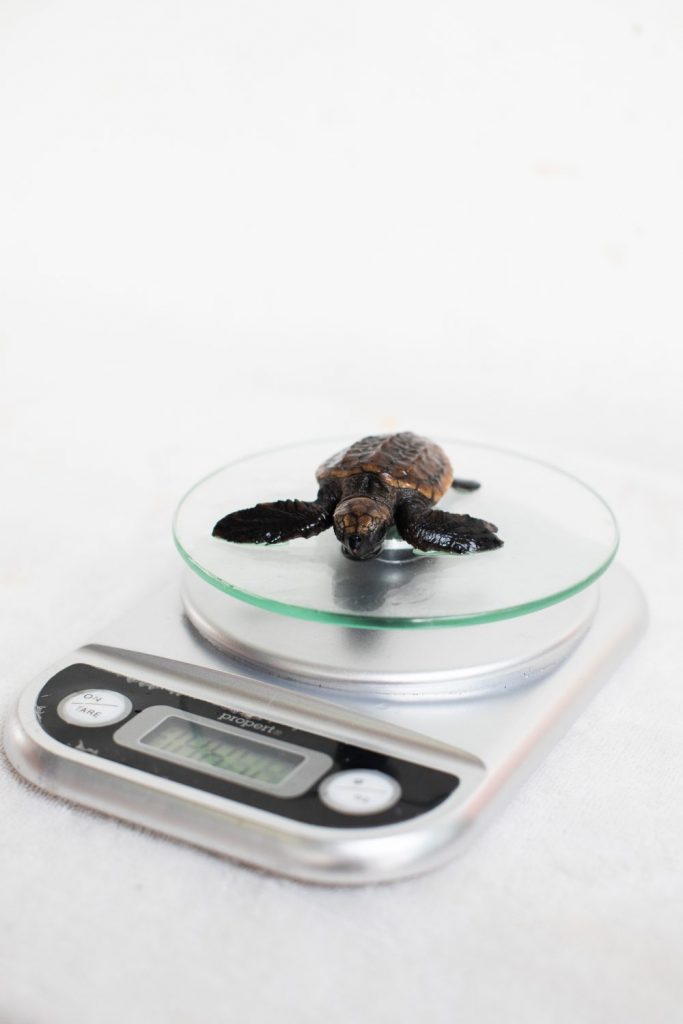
229 225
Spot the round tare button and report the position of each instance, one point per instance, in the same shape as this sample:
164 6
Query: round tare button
94 707
359 791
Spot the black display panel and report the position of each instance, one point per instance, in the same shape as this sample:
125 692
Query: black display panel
422 788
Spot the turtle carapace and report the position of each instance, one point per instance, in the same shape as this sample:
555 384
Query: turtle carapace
380 481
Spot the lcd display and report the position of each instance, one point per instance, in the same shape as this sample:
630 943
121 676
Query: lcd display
235 755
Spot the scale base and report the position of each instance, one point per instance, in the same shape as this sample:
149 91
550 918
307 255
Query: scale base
492 741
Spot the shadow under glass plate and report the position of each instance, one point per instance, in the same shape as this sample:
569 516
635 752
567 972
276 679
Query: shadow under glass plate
559 536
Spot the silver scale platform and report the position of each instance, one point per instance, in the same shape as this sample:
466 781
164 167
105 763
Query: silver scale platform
469 665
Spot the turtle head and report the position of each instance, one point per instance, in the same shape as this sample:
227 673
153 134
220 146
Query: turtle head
361 524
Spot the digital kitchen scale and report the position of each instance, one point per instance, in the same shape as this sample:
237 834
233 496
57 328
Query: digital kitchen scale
330 720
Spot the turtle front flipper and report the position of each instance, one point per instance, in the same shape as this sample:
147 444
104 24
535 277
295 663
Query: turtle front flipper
433 530
273 522
465 485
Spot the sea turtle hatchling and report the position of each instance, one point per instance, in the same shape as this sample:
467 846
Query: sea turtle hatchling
380 481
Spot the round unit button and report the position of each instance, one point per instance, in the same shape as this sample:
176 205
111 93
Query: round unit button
94 707
359 791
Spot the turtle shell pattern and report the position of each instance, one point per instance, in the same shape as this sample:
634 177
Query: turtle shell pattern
401 460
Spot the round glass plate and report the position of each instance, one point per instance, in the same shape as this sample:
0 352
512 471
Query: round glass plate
559 537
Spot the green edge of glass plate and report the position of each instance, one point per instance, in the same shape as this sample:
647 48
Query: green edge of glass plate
383 622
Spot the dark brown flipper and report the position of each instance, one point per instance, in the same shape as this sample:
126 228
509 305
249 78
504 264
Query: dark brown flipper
276 521
433 530
466 485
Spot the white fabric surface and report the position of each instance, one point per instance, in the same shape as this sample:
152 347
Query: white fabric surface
228 225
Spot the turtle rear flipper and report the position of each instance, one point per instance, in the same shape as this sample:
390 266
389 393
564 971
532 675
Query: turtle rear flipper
434 530
273 522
